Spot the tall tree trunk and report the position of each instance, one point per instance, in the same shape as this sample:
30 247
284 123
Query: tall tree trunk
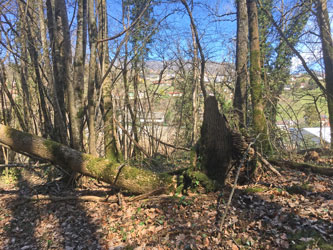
23 69
195 103
92 76
66 56
59 71
241 62
110 137
256 84
202 55
78 82
59 132
327 47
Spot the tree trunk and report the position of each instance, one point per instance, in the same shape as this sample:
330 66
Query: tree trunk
59 71
259 120
304 167
76 106
327 47
59 128
202 55
216 142
92 77
241 62
195 100
123 176
110 135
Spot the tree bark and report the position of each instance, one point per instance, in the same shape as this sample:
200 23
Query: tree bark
195 101
92 77
123 176
259 119
110 135
241 62
59 128
327 47
76 106
58 61
216 142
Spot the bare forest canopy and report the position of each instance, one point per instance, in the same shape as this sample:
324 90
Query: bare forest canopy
197 124
128 80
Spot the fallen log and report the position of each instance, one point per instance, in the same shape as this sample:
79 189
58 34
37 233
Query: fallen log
304 167
135 180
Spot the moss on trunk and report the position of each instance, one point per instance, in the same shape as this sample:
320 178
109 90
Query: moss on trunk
135 180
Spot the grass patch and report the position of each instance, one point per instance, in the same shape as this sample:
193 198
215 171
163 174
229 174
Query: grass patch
310 239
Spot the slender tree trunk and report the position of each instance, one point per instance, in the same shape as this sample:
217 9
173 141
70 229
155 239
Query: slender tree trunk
256 84
66 56
202 55
110 137
241 62
59 133
78 82
3 79
195 103
56 41
23 71
92 76
327 47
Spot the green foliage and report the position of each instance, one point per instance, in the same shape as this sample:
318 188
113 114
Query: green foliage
10 175
141 36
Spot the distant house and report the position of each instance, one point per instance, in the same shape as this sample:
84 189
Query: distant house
287 87
285 124
311 135
155 117
175 94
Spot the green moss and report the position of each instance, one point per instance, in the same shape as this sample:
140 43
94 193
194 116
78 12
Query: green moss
254 190
55 148
193 157
196 177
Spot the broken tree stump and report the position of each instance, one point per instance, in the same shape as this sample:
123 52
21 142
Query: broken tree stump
215 148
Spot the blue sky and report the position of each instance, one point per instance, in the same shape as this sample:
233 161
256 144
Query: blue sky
216 36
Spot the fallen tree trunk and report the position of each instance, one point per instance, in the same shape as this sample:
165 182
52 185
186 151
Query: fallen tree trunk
304 167
135 180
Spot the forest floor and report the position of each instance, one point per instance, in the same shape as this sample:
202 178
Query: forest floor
294 211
